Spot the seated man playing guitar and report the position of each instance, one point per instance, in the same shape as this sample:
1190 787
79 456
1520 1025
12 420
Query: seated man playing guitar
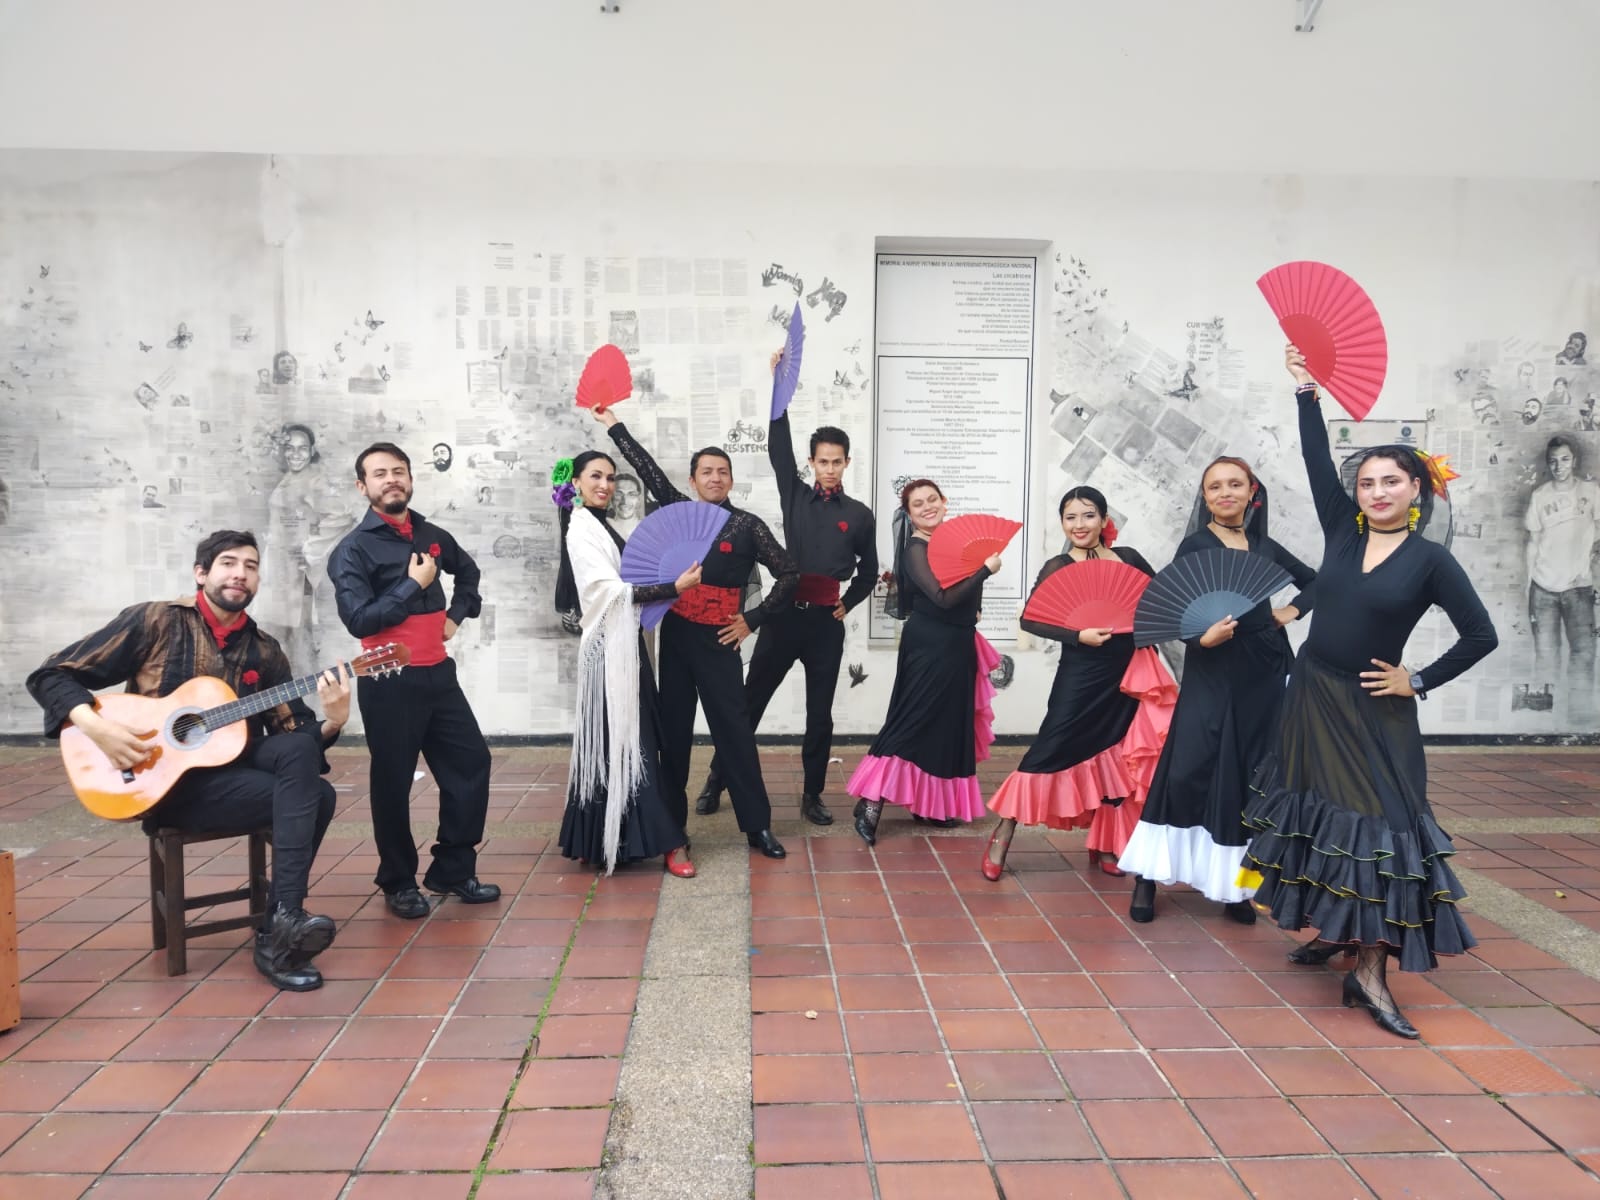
156 647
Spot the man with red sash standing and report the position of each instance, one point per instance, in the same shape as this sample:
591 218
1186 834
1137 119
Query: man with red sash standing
385 577
833 537
700 640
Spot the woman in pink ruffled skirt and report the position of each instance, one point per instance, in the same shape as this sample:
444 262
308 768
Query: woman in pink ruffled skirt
1105 721
939 725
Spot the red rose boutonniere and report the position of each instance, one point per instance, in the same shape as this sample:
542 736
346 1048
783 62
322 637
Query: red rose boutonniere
725 547
434 549
251 678
844 526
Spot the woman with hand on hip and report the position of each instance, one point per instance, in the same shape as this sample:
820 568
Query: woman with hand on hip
1345 838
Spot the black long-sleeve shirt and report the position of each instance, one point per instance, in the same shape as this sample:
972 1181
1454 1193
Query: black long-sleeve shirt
375 592
746 536
1059 633
834 535
153 648
957 604
1365 615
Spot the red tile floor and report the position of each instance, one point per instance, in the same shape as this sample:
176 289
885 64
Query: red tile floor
917 1030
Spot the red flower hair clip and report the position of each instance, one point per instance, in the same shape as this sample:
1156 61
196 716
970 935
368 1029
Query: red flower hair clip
1108 532
250 678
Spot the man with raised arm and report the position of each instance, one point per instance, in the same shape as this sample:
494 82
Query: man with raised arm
701 635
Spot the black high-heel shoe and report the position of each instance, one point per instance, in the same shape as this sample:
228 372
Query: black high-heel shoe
1143 906
1394 1022
1316 952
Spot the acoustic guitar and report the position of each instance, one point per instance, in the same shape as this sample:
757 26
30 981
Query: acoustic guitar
199 724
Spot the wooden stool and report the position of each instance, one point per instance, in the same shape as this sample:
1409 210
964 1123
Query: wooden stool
10 991
168 904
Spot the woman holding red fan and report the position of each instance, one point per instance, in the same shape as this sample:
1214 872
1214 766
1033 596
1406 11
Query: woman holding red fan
1104 723
615 808
939 723
1345 838
1192 828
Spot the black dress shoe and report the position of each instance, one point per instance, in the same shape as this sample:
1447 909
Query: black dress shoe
710 797
814 810
1142 908
284 950
408 903
468 891
302 978
767 844
1241 911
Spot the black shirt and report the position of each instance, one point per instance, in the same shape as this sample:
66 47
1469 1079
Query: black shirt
835 535
368 568
746 536
1365 615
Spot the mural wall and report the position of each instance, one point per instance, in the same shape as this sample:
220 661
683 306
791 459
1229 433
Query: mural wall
199 342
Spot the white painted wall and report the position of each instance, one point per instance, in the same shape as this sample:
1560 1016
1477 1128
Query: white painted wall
1442 150
1485 88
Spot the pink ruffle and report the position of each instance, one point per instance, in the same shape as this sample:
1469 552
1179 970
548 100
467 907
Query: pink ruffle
1074 798
896 781
983 698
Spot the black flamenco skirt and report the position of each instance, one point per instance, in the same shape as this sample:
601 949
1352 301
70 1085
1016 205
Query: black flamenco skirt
647 830
925 757
1343 834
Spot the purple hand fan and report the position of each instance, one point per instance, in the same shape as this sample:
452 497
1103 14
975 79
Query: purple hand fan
665 545
786 375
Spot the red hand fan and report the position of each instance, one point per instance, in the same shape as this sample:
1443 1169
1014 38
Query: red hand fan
959 546
1333 322
605 379
1099 593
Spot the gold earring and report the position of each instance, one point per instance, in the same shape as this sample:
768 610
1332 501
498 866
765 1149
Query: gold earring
1411 518
1361 522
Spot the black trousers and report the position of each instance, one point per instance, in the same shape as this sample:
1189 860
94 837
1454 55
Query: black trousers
277 779
694 664
423 711
814 638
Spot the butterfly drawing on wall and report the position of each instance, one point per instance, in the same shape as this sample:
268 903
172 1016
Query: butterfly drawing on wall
181 339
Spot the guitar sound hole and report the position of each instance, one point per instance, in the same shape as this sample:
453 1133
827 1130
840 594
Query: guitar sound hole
188 730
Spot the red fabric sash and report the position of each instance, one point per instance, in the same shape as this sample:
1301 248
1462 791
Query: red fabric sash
817 589
421 633
707 605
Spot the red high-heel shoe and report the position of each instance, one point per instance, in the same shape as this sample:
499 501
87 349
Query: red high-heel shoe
1107 863
993 870
677 863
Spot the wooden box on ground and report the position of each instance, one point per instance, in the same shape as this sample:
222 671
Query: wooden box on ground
10 990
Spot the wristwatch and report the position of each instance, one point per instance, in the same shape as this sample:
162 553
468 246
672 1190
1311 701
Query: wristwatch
1416 686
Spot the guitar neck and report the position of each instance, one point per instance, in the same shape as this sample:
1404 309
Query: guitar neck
260 702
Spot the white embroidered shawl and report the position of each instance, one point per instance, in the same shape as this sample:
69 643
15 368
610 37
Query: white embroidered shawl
608 678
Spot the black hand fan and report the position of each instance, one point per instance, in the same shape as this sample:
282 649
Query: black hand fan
1198 590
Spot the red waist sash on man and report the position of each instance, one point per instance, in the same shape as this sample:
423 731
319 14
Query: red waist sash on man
421 633
817 589
707 605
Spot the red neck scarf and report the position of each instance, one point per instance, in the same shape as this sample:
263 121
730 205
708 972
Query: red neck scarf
401 525
219 629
